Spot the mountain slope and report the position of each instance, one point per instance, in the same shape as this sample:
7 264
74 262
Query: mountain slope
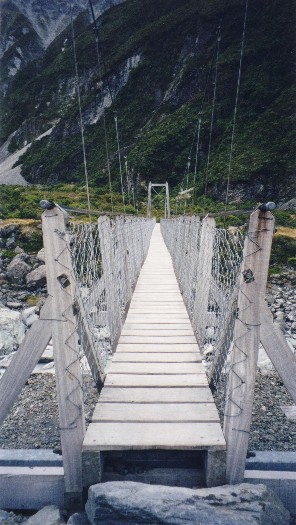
50 17
19 43
160 64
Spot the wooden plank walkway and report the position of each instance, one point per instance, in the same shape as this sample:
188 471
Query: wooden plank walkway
156 394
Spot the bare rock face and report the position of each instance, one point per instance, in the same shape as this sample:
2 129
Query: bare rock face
37 278
125 502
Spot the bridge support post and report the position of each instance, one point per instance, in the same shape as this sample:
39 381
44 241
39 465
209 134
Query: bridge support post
241 383
60 284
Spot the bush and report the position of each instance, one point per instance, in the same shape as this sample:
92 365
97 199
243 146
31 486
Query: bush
283 250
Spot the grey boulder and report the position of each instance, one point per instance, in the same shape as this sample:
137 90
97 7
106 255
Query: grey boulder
125 502
37 278
80 518
49 515
17 269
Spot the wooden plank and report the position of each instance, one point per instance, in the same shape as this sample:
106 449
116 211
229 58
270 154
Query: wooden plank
156 326
278 350
165 307
156 368
163 287
156 395
125 436
25 359
166 318
31 487
157 333
60 286
125 380
155 357
161 298
197 412
126 339
159 348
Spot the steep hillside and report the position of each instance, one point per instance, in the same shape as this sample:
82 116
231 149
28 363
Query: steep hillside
50 17
160 65
19 43
29 26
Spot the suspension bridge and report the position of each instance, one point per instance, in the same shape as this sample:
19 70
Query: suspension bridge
163 316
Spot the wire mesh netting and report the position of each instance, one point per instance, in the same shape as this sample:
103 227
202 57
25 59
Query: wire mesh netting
207 261
107 257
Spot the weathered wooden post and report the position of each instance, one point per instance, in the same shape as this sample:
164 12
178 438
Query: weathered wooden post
271 337
60 286
242 376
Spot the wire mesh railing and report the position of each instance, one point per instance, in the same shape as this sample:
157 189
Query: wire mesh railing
207 261
106 257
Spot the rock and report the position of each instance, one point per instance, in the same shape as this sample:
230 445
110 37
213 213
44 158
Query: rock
49 515
10 243
18 269
37 278
8 230
78 519
9 518
14 305
116 503
29 316
3 516
47 355
290 205
41 255
6 360
12 330
19 250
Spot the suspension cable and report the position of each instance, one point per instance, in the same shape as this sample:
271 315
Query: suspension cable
79 104
197 129
212 114
236 103
196 156
99 60
119 159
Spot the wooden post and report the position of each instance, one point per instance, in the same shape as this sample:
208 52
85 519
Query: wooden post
241 383
25 359
112 298
66 353
203 277
278 350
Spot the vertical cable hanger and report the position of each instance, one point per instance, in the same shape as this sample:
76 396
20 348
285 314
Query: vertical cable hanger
196 157
212 115
119 159
99 62
197 129
236 103
79 105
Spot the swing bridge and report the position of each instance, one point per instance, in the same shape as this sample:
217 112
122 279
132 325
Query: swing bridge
166 317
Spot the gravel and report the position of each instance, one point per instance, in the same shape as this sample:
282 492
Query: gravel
33 420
